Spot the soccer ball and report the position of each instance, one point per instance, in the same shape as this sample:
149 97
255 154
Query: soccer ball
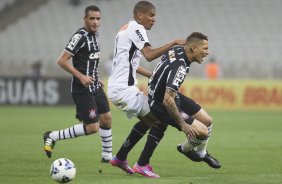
63 170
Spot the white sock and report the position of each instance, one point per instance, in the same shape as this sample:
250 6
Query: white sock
190 143
72 132
106 135
202 148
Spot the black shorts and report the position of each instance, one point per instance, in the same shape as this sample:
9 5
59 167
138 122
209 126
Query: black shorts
90 105
187 107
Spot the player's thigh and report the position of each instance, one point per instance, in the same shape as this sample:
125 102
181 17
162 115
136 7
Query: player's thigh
163 116
149 119
103 108
192 108
101 101
188 105
86 108
132 101
203 117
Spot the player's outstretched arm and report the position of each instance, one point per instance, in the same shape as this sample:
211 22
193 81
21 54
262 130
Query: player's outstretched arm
171 107
152 53
144 72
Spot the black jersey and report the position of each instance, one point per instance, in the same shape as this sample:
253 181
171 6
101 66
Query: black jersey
169 73
85 48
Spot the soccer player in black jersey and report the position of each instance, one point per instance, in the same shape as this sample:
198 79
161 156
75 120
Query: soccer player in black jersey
92 107
175 109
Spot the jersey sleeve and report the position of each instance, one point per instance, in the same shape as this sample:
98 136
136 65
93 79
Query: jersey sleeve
76 42
139 37
176 75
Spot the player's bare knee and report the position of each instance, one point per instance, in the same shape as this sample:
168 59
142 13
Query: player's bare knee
201 128
208 121
203 117
92 128
203 133
105 120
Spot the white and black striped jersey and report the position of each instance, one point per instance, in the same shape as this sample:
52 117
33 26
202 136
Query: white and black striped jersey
85 48
128 42
169 73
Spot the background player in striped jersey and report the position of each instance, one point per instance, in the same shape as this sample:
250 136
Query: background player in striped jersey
130 44
92 107
175 109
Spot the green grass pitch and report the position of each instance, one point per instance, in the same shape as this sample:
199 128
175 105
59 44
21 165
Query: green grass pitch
248 144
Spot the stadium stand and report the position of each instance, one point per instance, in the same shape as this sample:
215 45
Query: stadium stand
244 36
5 3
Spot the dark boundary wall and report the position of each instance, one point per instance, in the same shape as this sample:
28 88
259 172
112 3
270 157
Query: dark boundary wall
32 91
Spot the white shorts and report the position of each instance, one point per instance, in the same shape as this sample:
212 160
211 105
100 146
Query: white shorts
129 99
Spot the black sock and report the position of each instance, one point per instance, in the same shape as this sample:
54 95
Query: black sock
137 132
154 137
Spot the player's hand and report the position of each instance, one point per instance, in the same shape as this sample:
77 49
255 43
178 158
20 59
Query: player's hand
86 80
189 130
102 83
179 42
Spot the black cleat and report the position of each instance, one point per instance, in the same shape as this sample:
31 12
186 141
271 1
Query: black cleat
105 161
48 144
211 161
192 155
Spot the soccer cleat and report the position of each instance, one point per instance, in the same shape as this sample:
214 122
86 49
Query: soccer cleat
192 155
48 144
211 161
146 171
105 160
122 165
149 167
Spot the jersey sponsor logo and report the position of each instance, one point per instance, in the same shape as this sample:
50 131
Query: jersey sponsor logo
140 35
74 41
179 77
95 55
171 55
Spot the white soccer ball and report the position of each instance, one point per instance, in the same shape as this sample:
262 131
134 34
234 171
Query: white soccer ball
63 170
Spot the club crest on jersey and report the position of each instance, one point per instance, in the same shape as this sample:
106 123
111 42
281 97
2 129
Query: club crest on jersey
140 35
95 55
92 113
179 77
74 41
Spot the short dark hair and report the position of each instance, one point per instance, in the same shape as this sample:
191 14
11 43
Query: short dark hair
196 36
143 6
91 8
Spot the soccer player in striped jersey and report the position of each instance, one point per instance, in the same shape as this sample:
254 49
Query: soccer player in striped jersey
175 109
92 107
